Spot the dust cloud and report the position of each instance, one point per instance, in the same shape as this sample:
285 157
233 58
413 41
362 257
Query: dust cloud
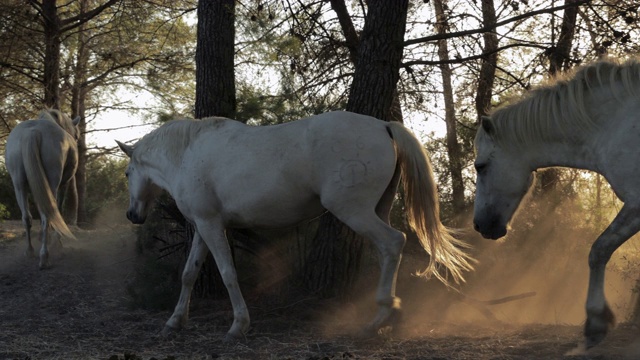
546 253
537 275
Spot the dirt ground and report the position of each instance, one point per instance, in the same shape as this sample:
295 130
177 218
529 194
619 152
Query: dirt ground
78 309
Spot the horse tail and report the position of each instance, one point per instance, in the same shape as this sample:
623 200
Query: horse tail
423 209
40 189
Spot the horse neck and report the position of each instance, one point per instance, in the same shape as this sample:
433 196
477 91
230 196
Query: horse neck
574 151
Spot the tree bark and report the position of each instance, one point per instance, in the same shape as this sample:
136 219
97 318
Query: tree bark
51 27
489 60
75 207
215 77
379 57
332 267
559 61
452 144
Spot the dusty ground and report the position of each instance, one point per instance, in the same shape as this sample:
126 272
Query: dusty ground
78 309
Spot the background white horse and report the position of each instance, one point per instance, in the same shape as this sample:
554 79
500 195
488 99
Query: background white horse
42 156
224 174
588 120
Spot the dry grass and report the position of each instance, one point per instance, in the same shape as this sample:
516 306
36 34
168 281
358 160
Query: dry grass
78 309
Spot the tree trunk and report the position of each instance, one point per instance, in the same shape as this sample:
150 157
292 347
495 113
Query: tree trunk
331 268
75 208
489 61
453 147
215 77
559 61
51 25
379 58
215 96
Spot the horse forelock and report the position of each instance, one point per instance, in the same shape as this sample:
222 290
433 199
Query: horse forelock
561 104
172 139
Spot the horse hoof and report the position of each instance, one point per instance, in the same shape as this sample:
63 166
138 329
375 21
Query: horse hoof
367 333
231 339
168 331
597 327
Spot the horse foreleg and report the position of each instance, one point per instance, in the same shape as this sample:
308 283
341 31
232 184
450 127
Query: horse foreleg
214 236
600 318
190 274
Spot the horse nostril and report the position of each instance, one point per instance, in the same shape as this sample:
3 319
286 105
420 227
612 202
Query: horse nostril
129 215
476 227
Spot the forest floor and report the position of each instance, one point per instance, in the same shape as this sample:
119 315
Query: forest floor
78 309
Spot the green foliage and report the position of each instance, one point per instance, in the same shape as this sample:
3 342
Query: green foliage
8 205
4 213
107 190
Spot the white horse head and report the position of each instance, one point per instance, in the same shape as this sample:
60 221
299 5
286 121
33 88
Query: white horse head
503 179
142 190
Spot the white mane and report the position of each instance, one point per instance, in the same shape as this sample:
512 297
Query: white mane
173 137
561 104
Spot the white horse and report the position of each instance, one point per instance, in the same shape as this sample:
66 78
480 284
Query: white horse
589 120
42 156
224 174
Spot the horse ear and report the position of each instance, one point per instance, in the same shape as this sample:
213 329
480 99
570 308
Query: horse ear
76 121
487 124
127 149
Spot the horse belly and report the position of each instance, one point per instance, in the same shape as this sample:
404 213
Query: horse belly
273 209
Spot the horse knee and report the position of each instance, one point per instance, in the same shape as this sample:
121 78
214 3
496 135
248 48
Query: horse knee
599 255
27 220
392 245
190 274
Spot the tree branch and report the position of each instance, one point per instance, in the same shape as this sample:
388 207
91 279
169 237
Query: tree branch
491 28
473 57
75 21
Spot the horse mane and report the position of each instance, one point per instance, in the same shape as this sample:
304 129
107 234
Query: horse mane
59 118
561 103
173 137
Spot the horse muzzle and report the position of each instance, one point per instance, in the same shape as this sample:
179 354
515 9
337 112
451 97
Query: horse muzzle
491 229
135 218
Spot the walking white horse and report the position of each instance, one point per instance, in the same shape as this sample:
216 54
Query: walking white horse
589 120
42 156
224 174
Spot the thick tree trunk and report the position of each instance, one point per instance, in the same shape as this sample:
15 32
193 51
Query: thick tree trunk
331 268
215 77
215 96
453 147
379 57
51 25
489 61
75 207
559 61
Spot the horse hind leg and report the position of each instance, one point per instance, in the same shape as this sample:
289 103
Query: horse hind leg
23 203
44 249
389 243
